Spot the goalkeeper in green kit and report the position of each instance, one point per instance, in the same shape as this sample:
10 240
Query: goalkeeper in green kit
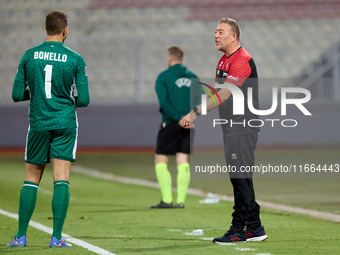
173 90
48 75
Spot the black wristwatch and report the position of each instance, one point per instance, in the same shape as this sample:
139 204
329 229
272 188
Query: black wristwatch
196 111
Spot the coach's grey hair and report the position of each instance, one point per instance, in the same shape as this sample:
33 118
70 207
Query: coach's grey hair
234 26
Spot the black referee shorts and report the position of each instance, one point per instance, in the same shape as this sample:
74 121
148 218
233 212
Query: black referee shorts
172 139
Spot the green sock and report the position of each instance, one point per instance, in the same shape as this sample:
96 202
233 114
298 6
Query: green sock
60 201
28 198
164 180
183 180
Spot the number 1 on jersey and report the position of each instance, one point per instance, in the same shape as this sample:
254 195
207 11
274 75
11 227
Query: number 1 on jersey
48 79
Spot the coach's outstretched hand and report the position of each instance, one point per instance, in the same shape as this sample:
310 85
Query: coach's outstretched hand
187 121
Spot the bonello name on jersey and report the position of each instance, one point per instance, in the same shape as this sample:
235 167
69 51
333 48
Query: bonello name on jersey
50 56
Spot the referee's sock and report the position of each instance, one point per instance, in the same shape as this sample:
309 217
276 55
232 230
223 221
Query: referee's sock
183 180
164 181
28 198
60 202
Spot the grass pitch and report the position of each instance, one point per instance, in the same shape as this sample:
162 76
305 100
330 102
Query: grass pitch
319 194
116 217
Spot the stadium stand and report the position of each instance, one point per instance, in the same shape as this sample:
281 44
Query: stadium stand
124 42
322 77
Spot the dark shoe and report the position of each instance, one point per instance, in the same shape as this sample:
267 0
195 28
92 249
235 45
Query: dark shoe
162 205
180 205
256 235
233 235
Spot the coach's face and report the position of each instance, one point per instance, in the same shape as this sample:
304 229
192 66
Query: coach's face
224 37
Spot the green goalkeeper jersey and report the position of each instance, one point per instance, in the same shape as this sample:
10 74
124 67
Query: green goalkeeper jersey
52 71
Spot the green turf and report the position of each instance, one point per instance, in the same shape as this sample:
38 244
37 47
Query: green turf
116 217
319 194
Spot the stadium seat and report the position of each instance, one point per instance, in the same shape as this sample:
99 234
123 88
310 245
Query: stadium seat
281 36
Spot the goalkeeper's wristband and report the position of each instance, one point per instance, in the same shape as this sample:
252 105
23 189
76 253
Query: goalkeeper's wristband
196 111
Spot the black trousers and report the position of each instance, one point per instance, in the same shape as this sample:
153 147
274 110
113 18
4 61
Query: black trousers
239 153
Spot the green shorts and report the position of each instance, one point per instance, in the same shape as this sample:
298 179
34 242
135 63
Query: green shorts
43 145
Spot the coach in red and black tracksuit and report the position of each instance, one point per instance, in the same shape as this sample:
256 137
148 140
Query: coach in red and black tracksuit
237 68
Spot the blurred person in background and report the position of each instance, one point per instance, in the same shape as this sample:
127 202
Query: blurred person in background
173 90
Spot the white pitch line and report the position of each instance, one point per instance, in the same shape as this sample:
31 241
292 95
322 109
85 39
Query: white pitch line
196 192
70 239
245 249
229 243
